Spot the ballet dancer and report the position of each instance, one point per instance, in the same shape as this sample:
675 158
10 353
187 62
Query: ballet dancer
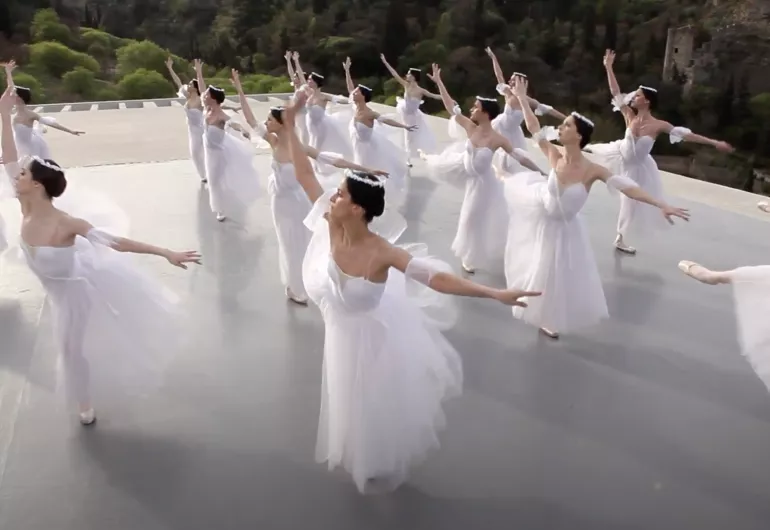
387 368
193 109
631 157
29 126
548 248
371 146
297 83
110 319
326 132
288 202
421 138
233 180
751 292
483 222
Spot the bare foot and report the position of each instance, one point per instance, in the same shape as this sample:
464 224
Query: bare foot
699 272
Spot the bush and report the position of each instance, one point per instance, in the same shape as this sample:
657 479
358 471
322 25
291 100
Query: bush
29 81
91 36
106 94
145 55
80 81
98 51
46 26
145 84
56 59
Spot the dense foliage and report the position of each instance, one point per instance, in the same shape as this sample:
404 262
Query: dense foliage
106 48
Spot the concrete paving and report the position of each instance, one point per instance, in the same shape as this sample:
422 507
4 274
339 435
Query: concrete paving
650 420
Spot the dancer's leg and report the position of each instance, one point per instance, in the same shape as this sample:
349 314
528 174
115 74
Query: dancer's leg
77 372
704 275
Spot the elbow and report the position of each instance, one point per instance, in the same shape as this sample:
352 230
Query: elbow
440 282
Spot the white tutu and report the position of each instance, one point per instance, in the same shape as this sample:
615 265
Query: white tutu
115 327
387 368
631 158
290 206
233 180
483 222
329 132
422 138
373 149
195 131
548 251
508 124
30 141
751 292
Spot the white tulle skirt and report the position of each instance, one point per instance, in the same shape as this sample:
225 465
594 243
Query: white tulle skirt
373 149
553 255
635 218
328 132
197 151
30 141
387 368
422 138
233 180
751 292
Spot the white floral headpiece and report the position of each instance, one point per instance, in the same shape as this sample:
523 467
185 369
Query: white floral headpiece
582 118
375 183
519 74
415 70
49 165
364 87
648 88
315 74
480 98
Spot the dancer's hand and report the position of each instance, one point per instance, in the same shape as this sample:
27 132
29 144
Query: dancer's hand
198 66
296 56
169 62
520 85
489 52
436 75
287 55
411 128
180 259
235 79
78 133
511 296
383 59
10 66
724 147
347 64
609 58
670 211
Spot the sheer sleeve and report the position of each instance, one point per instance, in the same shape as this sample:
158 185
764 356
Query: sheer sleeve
47 120
621 100
8 178
329 158
546 133
618 183
677 134
502 89
440 309
542 109
316 219
101 238
339 99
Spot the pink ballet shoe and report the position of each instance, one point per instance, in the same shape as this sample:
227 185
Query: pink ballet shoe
700 273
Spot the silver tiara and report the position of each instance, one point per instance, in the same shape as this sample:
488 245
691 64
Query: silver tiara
16 87
278 108
365 87
375 183
480 98
415 70
314 74
648 88
581 118
519 74
49 165
215 88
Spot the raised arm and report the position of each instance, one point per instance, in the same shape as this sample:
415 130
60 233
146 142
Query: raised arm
172 73
199 77
80 227
393 72
290 67
393 123
617 95
9 67
449 103
7 141
298 68
348 79
496 67
248 115
533 125
302 168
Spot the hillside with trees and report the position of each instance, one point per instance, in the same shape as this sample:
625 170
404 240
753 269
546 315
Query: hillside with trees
112 49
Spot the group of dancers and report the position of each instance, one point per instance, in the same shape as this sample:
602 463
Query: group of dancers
338 179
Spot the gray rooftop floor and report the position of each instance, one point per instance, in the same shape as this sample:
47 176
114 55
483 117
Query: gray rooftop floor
650 420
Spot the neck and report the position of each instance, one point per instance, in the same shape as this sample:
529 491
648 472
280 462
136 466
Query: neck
572 153
485 125
355 230
361 105
35 205
643 113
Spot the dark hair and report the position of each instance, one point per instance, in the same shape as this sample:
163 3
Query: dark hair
651 96
366 92
318 78
24 93
194 84
217 93
415 73
584 129
277 113
370 198
490 107
53 181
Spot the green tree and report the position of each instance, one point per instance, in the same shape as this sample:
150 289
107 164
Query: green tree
56 59
144 55
143 84
80 81
46 26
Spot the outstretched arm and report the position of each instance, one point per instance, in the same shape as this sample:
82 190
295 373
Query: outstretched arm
496 67
172 73
247 113
393 123
339 162
9 67
532 123
689 136
429 94
7 141
348 79
52 123
393 72
519 157
302 168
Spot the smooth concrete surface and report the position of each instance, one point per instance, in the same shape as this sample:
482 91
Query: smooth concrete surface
651 420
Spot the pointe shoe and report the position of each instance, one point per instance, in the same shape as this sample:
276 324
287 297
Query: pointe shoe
294 298
221 217
701 273
550 334
622 247
467 269
764 206
87 417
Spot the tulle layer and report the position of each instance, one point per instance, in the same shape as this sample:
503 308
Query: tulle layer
329 132
195 131
751 292
422 138
233 180
550 253
30 141
373 149
387 368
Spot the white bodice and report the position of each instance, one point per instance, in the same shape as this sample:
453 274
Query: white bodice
408 104
360 131
283 179
351 293
30 141
564 203
214 136
477 160
194 118
316 113
635 149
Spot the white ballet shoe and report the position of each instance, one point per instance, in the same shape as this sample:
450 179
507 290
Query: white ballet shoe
764 206
221 217
468 269
622 247
88 417
294 298
701 273
550 334
422 154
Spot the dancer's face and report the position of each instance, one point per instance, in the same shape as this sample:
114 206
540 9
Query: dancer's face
477 113
358 96
25 183
272 125
409 77
192 92
343 206
639 101
311 83
568 133
208 98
